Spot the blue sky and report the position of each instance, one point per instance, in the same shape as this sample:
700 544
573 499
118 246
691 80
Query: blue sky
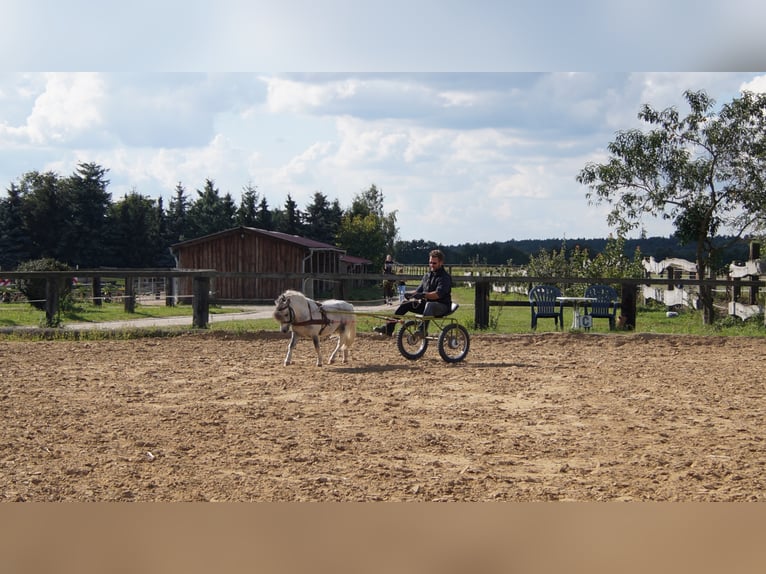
462 154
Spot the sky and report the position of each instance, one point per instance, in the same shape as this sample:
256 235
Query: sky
448 108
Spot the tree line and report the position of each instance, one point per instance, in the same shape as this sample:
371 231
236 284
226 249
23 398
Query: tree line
73 220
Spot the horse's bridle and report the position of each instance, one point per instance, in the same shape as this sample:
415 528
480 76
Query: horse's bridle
284 303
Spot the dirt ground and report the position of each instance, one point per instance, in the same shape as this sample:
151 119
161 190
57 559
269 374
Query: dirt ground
217 417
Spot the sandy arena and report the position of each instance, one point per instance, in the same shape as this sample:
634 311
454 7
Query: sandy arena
217 417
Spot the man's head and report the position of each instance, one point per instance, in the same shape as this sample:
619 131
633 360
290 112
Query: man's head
435 260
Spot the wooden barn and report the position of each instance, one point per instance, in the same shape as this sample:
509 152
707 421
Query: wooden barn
251 250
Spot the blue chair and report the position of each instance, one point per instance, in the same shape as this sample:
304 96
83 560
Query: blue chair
542 301
605 304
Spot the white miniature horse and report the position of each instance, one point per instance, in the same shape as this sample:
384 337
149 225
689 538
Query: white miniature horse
307 318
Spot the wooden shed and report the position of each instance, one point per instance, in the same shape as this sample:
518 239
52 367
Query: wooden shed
251 250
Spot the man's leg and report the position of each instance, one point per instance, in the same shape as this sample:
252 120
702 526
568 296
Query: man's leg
406 307
433 309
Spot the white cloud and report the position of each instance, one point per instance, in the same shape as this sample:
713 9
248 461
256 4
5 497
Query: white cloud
757 84
460 157
68 107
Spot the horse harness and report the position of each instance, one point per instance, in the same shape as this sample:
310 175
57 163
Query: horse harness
324 321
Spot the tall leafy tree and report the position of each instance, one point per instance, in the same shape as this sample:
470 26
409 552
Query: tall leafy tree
368 202
360 236
367 212
706 172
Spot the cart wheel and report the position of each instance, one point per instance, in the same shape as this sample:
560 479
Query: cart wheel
410 340
454 343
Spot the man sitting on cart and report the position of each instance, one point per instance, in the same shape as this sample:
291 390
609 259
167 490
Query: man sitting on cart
435 290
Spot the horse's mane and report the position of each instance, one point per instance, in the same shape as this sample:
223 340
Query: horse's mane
301 303
294 293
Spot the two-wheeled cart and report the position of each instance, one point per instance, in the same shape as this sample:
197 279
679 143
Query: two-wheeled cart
414 334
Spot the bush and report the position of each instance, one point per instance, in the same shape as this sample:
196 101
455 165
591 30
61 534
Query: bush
34 289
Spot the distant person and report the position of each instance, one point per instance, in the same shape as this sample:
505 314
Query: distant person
432 298
388 284
402 288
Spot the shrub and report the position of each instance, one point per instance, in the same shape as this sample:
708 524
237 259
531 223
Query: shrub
34 289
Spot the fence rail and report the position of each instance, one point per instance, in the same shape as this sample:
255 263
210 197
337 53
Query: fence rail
483 286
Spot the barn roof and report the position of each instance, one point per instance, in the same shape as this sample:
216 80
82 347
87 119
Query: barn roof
295 239
355 260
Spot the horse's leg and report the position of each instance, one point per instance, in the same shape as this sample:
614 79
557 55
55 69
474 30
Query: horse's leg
290 347
346 334
315 338
350 336
332 355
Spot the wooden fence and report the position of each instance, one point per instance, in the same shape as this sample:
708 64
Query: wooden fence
201 278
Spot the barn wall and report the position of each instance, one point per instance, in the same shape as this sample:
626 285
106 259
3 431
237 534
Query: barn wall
247 251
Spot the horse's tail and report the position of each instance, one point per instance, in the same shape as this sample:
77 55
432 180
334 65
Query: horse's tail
343 313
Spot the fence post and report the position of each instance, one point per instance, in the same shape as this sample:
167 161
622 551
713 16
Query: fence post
481 304
51 300
735 289
130 296
97 291
628 304
200 302
169 292
754 290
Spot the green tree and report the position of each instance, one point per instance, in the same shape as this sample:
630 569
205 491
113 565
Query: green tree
549 264
367 212
134 231
163 257
612 262
247 213
210 213
44 213
360 236
264 216
177 216
15 245
290 219
322 219
87 200
704 171
416 251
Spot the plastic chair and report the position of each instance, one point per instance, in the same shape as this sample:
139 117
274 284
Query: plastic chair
605 305
542 302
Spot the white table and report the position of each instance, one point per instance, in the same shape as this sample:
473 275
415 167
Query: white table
578 321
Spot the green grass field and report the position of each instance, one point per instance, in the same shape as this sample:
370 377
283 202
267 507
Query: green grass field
502 319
